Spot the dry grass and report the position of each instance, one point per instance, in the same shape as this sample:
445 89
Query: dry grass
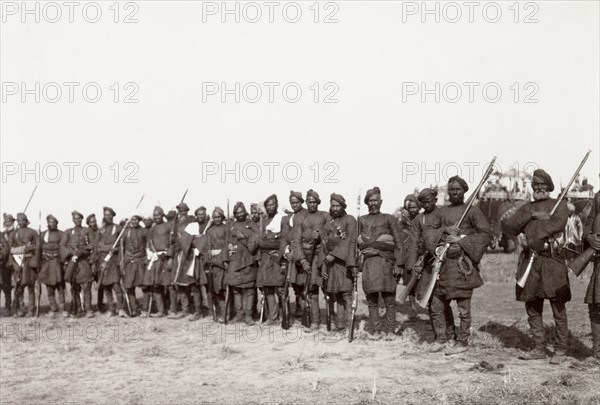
167 362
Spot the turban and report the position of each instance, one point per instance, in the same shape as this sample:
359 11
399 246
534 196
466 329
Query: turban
77 214
427 193
182 207
339 198
459 180
541 176
110 210
138 216
272 197
201 208
312 193
296 194
123 222
411 197
371 192
49 217
237 205
171 215
219 211
158 211
89 218
8 218
22 215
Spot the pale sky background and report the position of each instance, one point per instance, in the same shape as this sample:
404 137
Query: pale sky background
369 53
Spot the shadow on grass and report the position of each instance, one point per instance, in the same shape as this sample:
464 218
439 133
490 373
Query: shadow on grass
513 336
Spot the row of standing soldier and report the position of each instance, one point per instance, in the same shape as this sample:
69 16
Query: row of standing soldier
306 249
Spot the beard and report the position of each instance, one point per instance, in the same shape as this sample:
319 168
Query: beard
541 195
456 200
337 214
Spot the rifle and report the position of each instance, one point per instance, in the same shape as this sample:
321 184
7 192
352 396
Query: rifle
153 280
110 253
229 246
328 303
440 252
30 198
172 239
285 305
37 282
533 255
306 317
578 265
122 268
355 278
262 306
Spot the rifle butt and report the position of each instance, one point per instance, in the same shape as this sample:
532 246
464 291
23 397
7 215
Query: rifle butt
579 264
411 284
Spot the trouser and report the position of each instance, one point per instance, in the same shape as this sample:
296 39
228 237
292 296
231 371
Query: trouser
108 290
219 300
389 298
132 300
19 302
100 298
272 296
442 319
86 288
343 302
172 289
535 310
299 295
52 290
157 295
594 310
7 290
243 299
184 294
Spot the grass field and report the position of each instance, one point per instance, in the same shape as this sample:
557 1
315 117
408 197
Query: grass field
160 361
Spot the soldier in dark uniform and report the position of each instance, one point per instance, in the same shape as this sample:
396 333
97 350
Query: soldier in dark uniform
5 265
134 259
340 259
381 245
459 274
93 233
110 275
75 251
271 271
157 276
592 297
242 268
217 258
549 276
176 290
23 243
308 249
52 271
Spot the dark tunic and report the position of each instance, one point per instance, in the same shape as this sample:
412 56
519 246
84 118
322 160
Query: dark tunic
5 266
23 241
380 235
134 256
52 271
217 257
459 274
592 225
549 275
108 236
158 272
76 242
416 250
340 242
242 262
271 255
303 244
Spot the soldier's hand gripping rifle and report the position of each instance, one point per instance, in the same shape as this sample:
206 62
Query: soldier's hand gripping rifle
355 276
533 255
440 252
110 253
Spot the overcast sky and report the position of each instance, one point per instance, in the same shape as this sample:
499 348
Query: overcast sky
373 61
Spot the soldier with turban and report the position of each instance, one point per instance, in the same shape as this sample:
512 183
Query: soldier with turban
134 259
23 243
380 243
109 275
592 296
340 265
459 274
157 275
217 261
549 278
51 271
5 265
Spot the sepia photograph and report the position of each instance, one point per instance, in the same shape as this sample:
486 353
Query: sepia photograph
353 202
